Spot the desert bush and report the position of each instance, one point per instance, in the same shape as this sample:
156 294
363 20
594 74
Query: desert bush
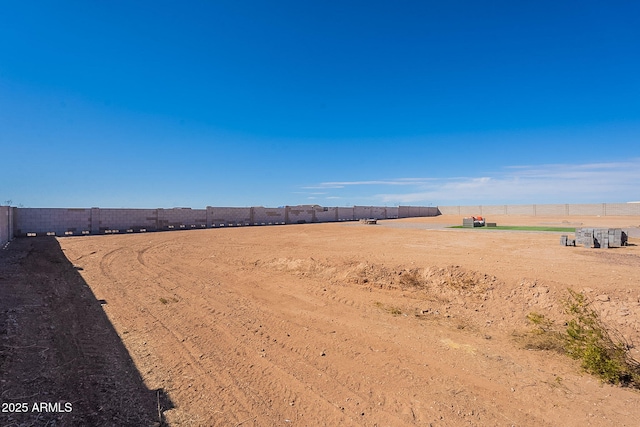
543 336
396 311
410 279
601 350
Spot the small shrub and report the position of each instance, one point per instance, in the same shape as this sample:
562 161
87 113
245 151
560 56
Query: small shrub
541 322
602 351
410 279
396 311
543 336
460 281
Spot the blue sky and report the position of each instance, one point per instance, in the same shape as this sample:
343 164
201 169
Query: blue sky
337 103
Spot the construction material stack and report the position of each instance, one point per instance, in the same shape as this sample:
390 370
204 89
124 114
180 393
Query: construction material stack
369 221
600 237
474 221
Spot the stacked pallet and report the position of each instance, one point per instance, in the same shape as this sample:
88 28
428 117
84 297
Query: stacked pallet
473 222
600 237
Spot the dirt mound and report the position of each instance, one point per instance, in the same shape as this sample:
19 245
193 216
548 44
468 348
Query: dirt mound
453 279
471 296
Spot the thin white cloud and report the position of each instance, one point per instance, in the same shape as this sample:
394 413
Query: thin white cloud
552 183
398 181
321 187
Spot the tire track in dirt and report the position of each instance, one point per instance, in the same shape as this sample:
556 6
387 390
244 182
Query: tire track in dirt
265 342
346 386
398 371
230 338
105 262
185 358
349 383
306 366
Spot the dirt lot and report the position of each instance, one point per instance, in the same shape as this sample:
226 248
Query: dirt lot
401 323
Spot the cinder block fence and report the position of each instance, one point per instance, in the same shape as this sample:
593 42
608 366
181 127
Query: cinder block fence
593 209
19 222
26 222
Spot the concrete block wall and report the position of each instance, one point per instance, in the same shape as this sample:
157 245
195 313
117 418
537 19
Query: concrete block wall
592 209
384 212
360 212
124 219
443 210
268 216
62 221
302 214
520 209
550 210
412 211
471 210
378 212
225 216
461 210
622 209
324 214
181 218
95 221
6 224
494 210
431 211
393 212
345 214
54 221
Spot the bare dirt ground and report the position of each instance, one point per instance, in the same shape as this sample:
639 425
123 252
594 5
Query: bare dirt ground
401 323
61 361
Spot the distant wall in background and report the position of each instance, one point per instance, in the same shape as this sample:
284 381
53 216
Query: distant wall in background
413 211
594 209
72 222
81 221
6 224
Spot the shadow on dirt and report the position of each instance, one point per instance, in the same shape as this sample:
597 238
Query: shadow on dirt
61 361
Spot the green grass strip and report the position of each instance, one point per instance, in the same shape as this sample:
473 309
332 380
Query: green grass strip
523 228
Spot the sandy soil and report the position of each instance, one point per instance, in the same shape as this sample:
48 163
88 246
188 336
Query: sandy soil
401 323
